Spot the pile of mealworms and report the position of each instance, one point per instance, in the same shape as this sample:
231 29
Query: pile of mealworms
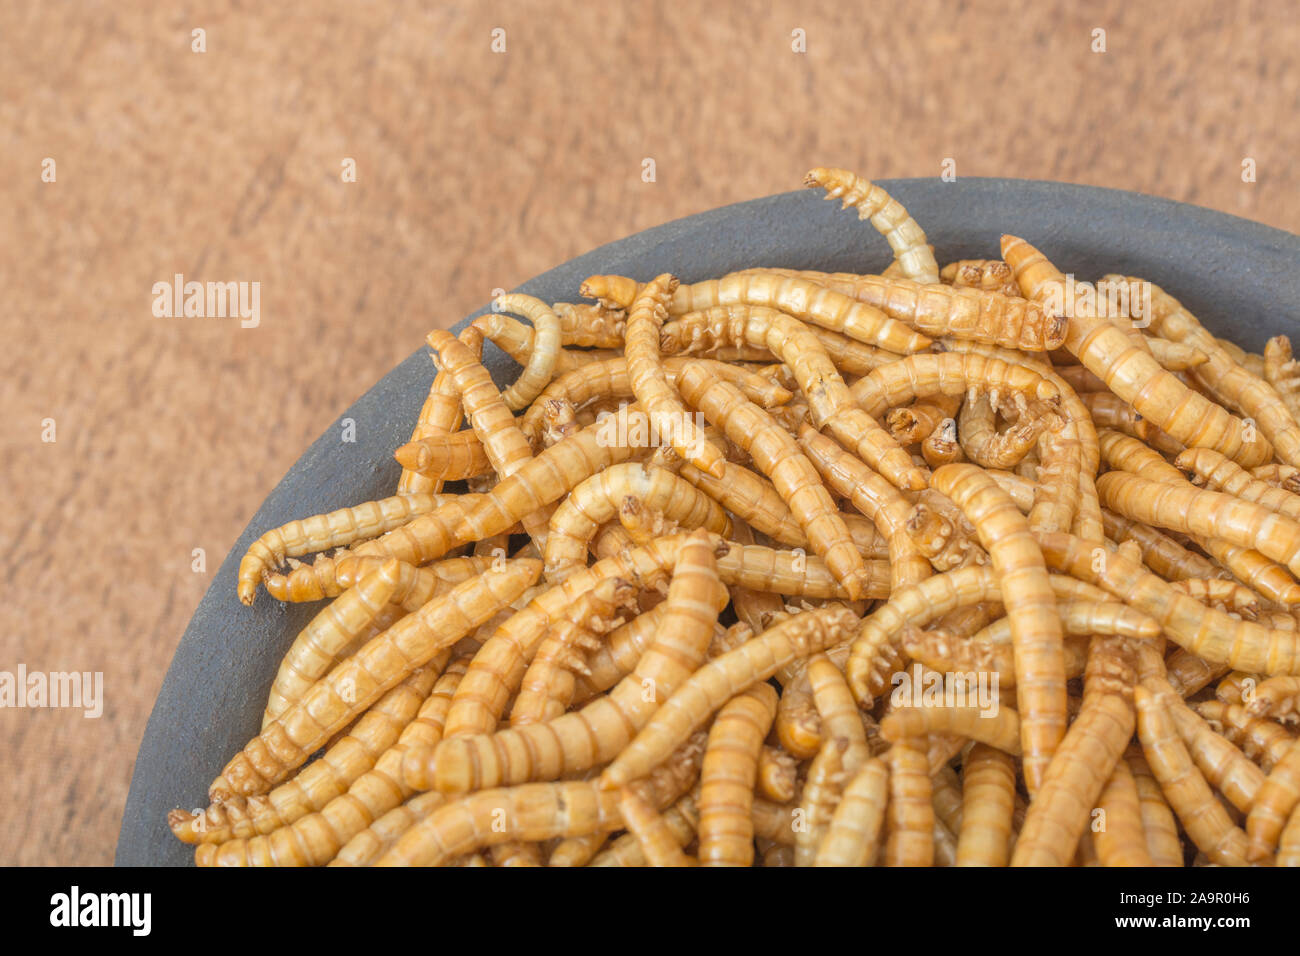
932 567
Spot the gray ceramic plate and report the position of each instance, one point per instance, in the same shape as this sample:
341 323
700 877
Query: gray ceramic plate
1239 277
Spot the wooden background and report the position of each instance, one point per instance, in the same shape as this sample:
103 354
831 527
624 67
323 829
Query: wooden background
476 170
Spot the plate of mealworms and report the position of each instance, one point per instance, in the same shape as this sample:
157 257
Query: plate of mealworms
951 524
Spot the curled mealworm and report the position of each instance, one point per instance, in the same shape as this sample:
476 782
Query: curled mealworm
726 828
915 258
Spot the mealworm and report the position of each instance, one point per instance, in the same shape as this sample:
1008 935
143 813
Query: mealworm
1158 824
829 401
682 819
518 341
941 446
1208 514
1282 372
778 456
317 647
1225 377
726 828
356 683
702 333
658 841
318 783
707 689
911 423
977 316
990 275
874 497
318 837
325 531
1204 631
548 684
1203 817
1225 595
910 813
610 380
650 383
1262 740
1276 800
1288 853
1223 474
1111 412
1161 553
1188 673
777 774
533 812
1132 374
1276 697
445 457
376 840
987 808
590 326
841 729
540 366
1077 426
807 301
598 499
593 735
1036 636
990 448
1121 840
440 414
914 257
1000 729
853 836
1226 768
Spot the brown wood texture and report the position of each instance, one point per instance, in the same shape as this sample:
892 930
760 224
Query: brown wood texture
475 170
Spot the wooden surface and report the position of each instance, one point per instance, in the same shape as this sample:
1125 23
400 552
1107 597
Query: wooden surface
475 170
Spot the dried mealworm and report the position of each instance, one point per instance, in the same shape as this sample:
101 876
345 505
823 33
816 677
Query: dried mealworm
326 778
779 457
318 837
1133 374
445 457
540 367
331 703
1262 740
1206 822
977 316
1027 595
1207 514
598 499
682 819
991 275
990 448
548 684
941 446
316 649
1282 372
593 735
332 530
829 401
1121 839
1158 823
912 423
650 383
440 414
853 836
1204 631
1276 697
910 814
658 842
705 691
988 804
915 258
1226 768
727 780
1276 800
